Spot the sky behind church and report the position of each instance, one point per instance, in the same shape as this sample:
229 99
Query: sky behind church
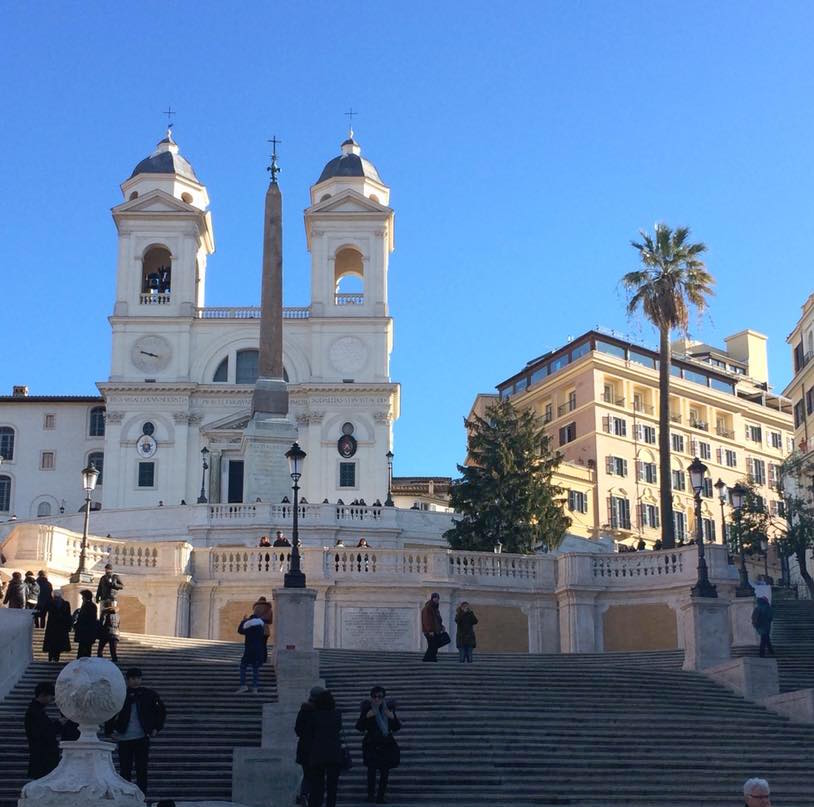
525 145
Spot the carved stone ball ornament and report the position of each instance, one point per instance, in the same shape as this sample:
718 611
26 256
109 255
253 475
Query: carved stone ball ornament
90 691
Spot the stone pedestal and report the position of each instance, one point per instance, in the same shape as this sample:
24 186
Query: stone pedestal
707 633
577 621
740 617
296 663
265 441
753 678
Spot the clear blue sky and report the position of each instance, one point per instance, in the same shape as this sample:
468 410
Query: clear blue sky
525 144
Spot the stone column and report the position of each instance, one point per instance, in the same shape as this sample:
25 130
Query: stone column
577 621
215 458
707 633
740 615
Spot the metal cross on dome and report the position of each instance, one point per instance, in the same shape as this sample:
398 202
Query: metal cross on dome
169 112
350 113
274 168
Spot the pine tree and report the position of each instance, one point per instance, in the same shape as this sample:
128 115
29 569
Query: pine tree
506 494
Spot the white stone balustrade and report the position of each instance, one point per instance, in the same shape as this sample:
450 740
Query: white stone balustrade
248 312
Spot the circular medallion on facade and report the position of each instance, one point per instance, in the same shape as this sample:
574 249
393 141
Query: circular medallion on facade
148 428
346 446
146 446
347 428
348 354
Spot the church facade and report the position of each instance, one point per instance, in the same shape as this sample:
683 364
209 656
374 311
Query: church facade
182 374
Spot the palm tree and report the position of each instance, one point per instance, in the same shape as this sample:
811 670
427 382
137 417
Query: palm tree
671 279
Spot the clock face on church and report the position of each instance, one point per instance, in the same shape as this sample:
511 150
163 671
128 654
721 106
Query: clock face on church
151 353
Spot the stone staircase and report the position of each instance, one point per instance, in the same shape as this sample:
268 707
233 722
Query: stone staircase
586 730
192 757
793 640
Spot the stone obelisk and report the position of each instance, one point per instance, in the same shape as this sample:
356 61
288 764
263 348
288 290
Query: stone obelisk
269 433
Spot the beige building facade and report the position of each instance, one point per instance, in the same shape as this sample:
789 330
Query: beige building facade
801 389
598 396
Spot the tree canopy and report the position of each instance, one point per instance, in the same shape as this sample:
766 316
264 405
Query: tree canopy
506 494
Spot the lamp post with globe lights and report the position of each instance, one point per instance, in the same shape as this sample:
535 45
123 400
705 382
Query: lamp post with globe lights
294 577
702 587
89 477
737 496
204 466
720 486
388 502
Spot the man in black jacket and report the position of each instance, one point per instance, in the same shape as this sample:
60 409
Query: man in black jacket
109 584
42 733
141 717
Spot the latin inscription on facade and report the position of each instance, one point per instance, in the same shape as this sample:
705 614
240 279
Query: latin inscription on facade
378 628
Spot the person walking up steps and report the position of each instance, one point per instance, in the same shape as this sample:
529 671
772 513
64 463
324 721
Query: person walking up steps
109 630
432 627
762 616
380 750
86 625
57 639
466 620
15 592
303 728
325 760
44 596
254 651
42 733
109 584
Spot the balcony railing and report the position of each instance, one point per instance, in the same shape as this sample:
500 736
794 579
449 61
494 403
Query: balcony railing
675 418
562 409
721 432
642 407
612 399
700 424
350 299
249 312
154 298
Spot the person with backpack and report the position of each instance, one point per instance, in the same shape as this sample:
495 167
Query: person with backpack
15 592
254 651
86 626
32 591
109 630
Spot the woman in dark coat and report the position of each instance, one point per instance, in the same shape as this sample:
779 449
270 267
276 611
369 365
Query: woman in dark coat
325 758
466 620
87 626
58 628
380 750
44 597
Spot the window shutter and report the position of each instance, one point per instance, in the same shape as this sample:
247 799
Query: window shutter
606 423
694 447
623 423
611 519
718 455
656 517
625 513
637 431
584 502
609 464
624 467
642 513
639 470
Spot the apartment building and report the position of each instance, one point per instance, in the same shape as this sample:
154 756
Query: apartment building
598 395
801 389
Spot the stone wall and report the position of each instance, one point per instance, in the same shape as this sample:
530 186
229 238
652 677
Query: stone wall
640 626
16 630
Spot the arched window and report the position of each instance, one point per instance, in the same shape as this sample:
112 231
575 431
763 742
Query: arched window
246 366
222 373
349 275
5 494
156 271
98 460
7 443
96 426
43 509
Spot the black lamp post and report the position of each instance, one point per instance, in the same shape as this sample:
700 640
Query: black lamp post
294 577
89 477
720 486
737 496
204 466
388 502
702 587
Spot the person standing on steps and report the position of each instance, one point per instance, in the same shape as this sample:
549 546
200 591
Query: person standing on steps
57 637
325 758
380 751
32 592
44 595
15 592
432 626
756 793
142 717
86 625
109 630
262 609
466 620
42 732
762 616
109 584
303 728
280 540
254 651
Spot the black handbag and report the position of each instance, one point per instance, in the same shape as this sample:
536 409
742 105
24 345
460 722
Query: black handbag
347 759
443 639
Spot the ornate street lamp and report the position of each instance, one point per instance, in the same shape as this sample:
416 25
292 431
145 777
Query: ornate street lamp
294 577
388 502
204 466
737 495
702 587
89 477
720 486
